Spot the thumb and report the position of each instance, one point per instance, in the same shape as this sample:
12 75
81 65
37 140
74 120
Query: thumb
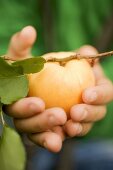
21 43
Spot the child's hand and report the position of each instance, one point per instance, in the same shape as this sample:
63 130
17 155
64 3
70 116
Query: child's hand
50 127
31 117
95 99
29 114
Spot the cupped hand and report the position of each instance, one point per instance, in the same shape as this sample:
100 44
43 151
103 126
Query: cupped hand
29 113
95 99
49 127
93 108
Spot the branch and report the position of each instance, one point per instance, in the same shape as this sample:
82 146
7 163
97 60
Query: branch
78 56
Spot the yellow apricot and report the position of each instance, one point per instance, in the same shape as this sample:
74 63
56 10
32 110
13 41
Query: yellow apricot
61 86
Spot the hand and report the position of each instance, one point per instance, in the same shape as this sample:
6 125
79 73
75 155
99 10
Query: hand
95 99
29 113
94 107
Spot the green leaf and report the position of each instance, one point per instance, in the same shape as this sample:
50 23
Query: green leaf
13 82
12 152
31 65
13 88
7 70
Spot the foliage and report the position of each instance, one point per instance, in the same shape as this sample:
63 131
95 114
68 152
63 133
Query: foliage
14 86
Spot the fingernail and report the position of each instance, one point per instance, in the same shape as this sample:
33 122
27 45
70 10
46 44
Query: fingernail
92 96
83 114
26 31
33 108
52 119
78 128
80 114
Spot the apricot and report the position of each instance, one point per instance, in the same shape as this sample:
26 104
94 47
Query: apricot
61 85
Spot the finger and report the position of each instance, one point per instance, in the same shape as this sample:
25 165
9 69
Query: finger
25 107
88 50
60 131
76 129
100 94
97 94
86 127
21 43
87 113
98 72
41 122
49 140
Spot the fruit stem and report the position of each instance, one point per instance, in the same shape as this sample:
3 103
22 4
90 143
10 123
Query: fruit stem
79 56
71 57
5 57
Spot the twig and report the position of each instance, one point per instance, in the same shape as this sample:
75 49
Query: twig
71 57
8 58
79 56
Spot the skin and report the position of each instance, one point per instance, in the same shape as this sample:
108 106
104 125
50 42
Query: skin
50 127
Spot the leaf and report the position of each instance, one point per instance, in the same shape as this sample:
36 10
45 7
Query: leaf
7 70
31 65
13 82
13 88
12 152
